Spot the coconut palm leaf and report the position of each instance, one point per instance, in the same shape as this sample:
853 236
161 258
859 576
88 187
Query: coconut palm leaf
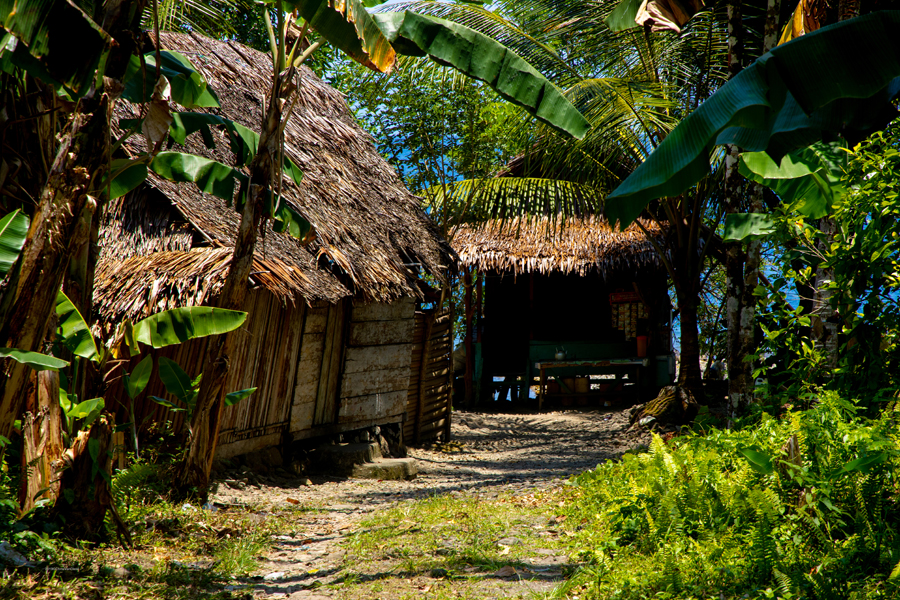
839 79
502 198
479 56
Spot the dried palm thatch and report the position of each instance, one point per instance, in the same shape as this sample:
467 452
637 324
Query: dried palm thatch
170 244
579 245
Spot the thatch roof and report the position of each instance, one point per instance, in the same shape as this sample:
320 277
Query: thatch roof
169 245
579 245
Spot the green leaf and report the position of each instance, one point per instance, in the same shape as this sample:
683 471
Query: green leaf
809 178
243 141
292 170
785 100
175 379
138 379
63 43
76 335
348 27
235 397
13 232
741 226
622 17
182 324
84 409
759 462
483 58
167 404
864 463
35 360
189 89
127 174
210 176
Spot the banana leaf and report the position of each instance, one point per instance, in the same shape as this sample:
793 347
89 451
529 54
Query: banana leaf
233 398
841 79
740 226
348 27
68 58
210 176
243 141
35 360
622 16
177 382
13 232
137 380
179 325
809 179
478 56
218 179
127 174
189 89
76 335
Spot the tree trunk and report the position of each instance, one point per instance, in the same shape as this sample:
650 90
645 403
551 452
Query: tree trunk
193 475
56 229
690 376
85 493
66 209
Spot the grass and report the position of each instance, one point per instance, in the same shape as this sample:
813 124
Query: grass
453 546
180 553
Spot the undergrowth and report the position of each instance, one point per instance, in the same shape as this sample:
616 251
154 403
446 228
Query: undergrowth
804 506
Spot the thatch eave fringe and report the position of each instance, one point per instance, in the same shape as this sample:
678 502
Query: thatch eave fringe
579 245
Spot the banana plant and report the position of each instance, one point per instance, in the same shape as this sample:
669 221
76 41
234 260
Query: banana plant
174 326
179 384
842 79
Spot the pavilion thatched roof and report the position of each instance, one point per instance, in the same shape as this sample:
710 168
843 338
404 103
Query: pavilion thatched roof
168 244
579 245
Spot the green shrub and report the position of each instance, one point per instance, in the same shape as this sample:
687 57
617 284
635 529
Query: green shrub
801 507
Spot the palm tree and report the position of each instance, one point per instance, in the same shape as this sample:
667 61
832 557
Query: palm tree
634 87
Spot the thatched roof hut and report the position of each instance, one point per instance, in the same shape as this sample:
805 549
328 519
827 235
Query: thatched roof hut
371 237
331 338
579 285
578 245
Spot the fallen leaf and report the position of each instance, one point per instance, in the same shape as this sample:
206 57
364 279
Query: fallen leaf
293 500
504 550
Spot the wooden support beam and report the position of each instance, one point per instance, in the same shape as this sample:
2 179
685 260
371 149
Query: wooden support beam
470 352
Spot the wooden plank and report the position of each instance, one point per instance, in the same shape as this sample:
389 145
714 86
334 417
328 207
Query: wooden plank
373 333
382 311
239 447
374 382
372 407
302 415
324 399
372 358
316 320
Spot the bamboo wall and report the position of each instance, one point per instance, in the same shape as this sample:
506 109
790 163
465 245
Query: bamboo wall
430 378
318 370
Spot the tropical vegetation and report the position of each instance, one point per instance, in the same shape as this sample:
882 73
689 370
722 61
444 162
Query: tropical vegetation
797 499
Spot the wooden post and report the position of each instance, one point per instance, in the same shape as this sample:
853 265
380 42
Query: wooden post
447 297
470 358
479 312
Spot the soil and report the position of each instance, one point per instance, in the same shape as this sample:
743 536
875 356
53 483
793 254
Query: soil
488 455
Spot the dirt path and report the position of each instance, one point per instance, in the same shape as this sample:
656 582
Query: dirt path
490 456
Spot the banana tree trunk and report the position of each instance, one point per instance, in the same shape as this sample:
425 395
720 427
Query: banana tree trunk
57 228
193 475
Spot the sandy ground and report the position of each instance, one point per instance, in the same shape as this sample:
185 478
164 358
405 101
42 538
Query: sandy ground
488 454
